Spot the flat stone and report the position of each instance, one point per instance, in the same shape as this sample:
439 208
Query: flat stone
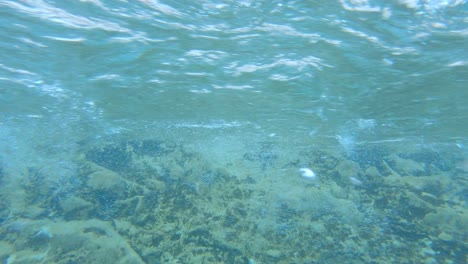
72 204
106 181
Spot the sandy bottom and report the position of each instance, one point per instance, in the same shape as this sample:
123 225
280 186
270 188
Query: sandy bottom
151 201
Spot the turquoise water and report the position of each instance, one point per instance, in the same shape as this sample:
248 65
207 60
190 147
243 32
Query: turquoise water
177 131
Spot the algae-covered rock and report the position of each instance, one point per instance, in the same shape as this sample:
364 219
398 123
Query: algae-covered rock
99 243
155 185
75 207
445 237
337 191
347 170
417 206
406 166
33 212
428 186
373 172
125 227
106 181
318 227
450 220
6 250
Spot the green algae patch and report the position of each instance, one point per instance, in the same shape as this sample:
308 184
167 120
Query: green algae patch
170 205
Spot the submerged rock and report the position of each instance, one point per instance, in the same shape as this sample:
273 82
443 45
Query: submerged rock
75 207
106 181
407 167
346 171
451 220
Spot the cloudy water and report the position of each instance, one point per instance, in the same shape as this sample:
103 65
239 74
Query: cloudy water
233 131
